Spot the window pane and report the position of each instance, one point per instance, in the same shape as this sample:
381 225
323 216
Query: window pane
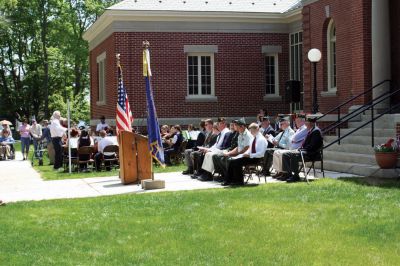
270 75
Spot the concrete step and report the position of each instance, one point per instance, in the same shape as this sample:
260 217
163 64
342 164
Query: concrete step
377 124
379 132
361 140
351 168
348 157
352 148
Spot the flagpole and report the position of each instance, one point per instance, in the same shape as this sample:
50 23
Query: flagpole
69 137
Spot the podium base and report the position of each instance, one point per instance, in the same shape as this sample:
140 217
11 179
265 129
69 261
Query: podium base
153 184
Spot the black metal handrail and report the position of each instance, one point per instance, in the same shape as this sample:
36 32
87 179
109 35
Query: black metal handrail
369 106
356 97
389 110
358 111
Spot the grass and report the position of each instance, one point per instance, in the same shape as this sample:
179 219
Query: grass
47 173
329 222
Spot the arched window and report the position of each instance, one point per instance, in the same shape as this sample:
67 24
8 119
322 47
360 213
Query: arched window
331 41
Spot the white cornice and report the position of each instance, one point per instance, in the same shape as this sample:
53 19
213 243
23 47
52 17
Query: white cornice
110 16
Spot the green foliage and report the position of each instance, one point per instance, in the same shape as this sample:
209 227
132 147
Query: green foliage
43 57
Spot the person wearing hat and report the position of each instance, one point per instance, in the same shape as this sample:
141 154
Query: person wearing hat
244 141
253 154
280 141
310 148
220 160
102 125
36 133
295 142
267 129
6 142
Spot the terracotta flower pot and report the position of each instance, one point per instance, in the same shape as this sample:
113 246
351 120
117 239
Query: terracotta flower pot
386 160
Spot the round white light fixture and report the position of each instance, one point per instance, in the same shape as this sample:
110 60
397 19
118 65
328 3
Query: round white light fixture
314 55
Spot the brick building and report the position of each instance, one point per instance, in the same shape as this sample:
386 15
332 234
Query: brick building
231 58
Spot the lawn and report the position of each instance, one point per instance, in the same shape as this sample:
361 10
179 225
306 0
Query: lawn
328 222
47 173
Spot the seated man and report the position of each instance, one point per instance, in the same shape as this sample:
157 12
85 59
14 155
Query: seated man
244 141
197 157
102 125
281 141
223 142
201 137
5 144
295 142
101 144
174 143
267 129
310 148
220 160
252 155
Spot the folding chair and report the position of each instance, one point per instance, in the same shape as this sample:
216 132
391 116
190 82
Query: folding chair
85 157
178 156
317 157
74 157
253 169
114 161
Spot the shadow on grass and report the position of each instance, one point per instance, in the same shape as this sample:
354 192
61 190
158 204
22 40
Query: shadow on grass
373 182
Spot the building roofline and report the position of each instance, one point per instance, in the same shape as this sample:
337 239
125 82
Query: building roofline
110 16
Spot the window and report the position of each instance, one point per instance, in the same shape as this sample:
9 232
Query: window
200 75
271 74
296 63
331 36
101 73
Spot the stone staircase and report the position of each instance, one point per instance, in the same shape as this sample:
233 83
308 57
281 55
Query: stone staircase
355 154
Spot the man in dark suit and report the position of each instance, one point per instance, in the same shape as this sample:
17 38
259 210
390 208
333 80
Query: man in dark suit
310 148
219 160
201 138
267 129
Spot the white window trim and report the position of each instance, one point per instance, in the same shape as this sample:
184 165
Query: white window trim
101 59
329 53
201 97
295 107
273 96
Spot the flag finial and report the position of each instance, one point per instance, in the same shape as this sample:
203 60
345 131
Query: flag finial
146 44
118 56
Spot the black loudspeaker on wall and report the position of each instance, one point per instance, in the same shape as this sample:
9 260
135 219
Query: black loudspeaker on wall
293 91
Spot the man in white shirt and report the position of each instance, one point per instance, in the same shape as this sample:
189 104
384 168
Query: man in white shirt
100 155
253 155
281 141
57 132
102 125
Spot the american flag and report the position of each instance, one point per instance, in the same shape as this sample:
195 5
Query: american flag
124 114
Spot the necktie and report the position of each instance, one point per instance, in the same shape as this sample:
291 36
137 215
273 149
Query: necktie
253 146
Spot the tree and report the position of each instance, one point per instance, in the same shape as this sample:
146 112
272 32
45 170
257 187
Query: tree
43 55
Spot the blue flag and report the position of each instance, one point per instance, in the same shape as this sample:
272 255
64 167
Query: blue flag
153 128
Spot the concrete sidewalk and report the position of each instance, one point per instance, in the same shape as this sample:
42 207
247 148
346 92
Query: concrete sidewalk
20 182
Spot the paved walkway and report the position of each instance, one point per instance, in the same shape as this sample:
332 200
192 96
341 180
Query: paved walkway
20 182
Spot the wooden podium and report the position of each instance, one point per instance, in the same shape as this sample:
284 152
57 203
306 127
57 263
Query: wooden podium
135 158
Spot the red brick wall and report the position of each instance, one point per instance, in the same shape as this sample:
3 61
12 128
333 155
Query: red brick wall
353 49
111 78
239 73
395 44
